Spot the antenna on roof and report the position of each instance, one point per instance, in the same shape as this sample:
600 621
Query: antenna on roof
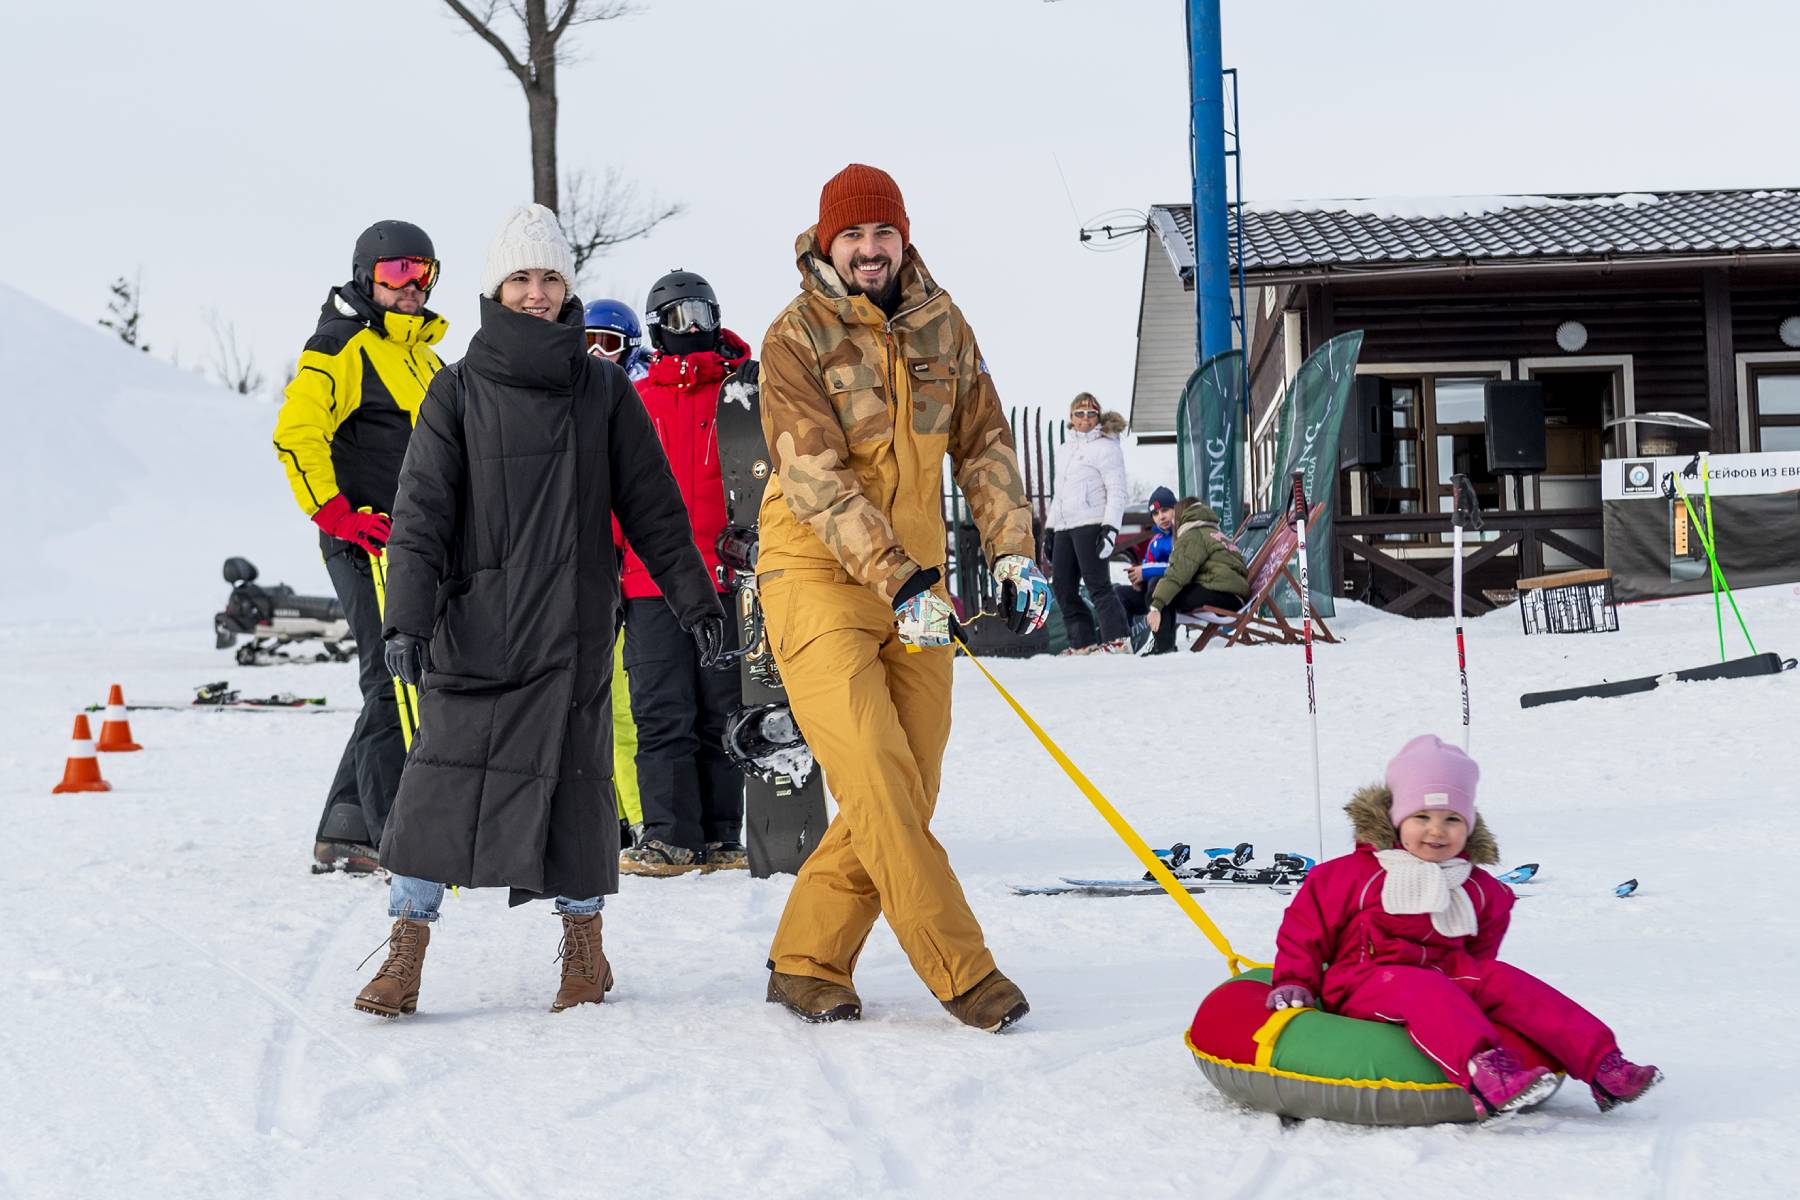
1114 229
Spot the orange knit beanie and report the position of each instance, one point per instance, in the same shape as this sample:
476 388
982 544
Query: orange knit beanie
859 195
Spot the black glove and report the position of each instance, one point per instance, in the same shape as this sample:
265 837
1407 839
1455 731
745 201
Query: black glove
709 636
407 656
1103 546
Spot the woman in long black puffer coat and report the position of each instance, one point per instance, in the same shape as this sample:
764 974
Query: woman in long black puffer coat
502 601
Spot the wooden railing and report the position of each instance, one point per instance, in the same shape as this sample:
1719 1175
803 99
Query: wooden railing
1530 532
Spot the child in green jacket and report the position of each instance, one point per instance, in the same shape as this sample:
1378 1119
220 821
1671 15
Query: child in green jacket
1205 569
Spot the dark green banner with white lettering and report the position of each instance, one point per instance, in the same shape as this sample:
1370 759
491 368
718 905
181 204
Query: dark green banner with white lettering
1209 436
1312 419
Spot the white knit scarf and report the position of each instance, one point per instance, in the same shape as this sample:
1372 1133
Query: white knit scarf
1413 885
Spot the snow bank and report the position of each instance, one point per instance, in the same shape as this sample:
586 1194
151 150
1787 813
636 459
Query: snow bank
128 481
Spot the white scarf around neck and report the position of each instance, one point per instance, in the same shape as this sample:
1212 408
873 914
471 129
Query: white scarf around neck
1413 885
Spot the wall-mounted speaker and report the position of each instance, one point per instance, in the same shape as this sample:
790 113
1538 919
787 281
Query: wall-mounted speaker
1515 426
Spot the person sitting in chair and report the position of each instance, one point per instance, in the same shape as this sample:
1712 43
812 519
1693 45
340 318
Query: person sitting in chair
1206 568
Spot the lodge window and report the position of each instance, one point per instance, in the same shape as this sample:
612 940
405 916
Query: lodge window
1439 431
1775 406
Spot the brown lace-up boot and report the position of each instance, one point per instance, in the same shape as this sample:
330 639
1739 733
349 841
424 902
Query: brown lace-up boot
395 988
991 1005
586 975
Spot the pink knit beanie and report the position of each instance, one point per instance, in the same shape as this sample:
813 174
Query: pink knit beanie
1430 774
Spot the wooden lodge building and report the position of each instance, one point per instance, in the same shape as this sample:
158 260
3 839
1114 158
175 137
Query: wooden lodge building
1674 302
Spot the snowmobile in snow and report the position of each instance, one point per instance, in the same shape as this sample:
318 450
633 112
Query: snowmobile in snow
280 623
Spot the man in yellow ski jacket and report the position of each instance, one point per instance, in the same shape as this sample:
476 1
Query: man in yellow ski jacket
869 378
342 435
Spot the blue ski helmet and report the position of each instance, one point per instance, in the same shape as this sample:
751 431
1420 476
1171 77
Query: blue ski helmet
617 316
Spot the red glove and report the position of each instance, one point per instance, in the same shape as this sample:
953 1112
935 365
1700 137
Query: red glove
367 530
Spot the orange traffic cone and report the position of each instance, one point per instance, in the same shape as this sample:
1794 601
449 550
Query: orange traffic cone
82 772
115 730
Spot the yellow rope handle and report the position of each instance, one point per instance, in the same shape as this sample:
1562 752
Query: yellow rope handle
1128 835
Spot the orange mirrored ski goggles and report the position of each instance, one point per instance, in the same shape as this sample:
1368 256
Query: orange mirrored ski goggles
397 273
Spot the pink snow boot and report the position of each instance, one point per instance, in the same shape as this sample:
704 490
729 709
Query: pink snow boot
1619 1081
1499 1083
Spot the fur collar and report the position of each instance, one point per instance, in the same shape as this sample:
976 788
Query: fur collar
1368 812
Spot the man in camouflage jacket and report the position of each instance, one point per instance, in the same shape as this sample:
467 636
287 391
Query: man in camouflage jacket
869 378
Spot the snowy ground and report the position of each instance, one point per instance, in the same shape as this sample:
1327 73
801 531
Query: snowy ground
175 989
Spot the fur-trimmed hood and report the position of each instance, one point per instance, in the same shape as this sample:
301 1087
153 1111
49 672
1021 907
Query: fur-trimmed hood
1111 423
1368 813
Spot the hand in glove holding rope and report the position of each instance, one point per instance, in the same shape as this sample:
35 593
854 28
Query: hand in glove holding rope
1024 593
924 618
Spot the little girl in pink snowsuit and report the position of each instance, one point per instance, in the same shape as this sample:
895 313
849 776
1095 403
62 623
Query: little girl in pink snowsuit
1406 930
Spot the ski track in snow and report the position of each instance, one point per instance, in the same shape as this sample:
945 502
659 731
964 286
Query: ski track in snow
175 988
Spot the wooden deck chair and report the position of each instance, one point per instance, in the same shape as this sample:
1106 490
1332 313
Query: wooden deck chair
1260 621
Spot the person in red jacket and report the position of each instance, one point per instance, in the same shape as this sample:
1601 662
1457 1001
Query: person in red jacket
1407 929
692 795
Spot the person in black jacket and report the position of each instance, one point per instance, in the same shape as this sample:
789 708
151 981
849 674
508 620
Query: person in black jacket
502 602
341 436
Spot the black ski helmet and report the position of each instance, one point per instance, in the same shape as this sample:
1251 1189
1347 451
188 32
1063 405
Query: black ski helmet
680 285
386 239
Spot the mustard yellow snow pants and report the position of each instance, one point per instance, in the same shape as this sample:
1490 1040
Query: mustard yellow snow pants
625 784
877 718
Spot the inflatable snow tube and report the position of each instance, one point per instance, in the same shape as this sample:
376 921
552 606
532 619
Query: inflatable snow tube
1300 1062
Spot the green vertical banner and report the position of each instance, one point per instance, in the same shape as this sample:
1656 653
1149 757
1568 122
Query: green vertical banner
1312 420
1209 436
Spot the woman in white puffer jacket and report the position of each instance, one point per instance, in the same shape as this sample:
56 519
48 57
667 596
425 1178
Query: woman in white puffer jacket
1083 521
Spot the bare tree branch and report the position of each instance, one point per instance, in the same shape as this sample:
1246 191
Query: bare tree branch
595 218
235 366
535 67
480 26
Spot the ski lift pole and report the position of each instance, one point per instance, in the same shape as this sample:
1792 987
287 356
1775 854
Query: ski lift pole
1465 504
1312 702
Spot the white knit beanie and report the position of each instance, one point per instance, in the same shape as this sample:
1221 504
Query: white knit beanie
529 237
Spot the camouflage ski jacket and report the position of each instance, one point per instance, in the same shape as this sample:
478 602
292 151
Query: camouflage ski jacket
854 487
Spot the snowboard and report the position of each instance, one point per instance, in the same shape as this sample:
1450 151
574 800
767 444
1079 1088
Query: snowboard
784 804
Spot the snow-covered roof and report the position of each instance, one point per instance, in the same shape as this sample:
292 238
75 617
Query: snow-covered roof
1284 236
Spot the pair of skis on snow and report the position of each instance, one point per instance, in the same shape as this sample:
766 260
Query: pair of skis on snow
222 697
1527 872
1225 868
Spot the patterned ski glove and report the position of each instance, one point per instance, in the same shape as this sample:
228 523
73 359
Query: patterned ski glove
1292 995
1024 593
1103 545
924 618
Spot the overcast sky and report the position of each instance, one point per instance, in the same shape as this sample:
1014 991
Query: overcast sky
232 151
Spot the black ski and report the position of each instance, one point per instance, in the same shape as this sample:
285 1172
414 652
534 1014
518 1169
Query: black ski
1767 663
784 795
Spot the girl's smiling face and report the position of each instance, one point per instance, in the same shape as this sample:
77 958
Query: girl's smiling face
1435 835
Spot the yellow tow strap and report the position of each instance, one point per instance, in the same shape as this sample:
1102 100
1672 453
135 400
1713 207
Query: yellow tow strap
1122 827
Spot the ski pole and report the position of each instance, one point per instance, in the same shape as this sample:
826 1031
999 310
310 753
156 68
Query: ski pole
1718 612
1465 493
1312 703
1706 544
406 696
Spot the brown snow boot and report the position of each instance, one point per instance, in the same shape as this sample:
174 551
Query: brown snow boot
395 988
586 975
991 1005
813 1000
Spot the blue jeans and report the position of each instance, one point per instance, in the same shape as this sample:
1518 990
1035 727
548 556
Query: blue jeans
419 900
